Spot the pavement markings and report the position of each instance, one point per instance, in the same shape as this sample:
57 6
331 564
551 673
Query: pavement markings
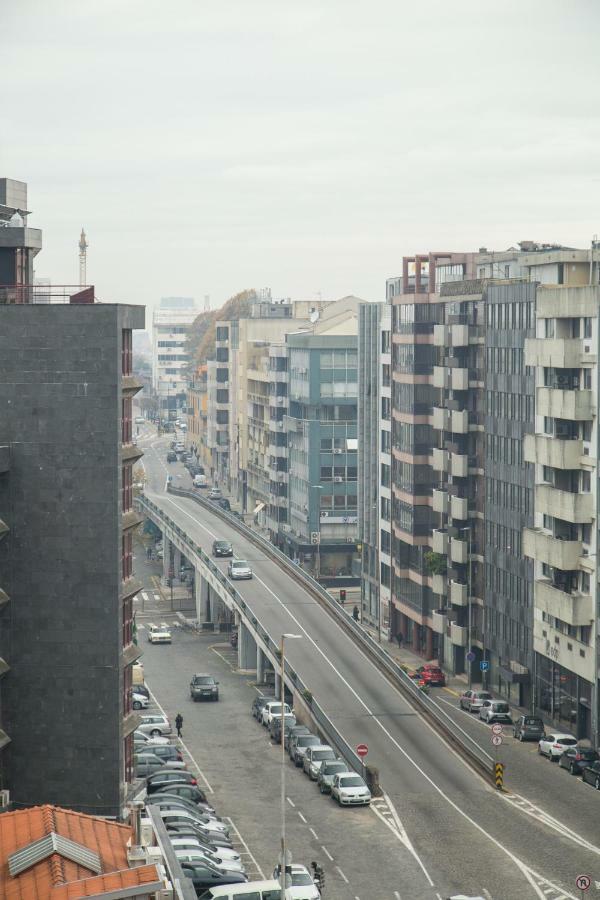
342 874
302 817
314 834
246 848
398 897
326 852
545 818
291 802
226 661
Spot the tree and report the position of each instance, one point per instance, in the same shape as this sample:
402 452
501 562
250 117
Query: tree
435 563
200 344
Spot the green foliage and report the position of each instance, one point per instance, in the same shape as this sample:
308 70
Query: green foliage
435 563
200 342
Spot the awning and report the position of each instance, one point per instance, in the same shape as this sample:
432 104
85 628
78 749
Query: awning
258 508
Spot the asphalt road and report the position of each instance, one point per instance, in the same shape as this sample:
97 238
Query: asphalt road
464 836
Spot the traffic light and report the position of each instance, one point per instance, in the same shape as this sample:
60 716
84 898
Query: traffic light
342 595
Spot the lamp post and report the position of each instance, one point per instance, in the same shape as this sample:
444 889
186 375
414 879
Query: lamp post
317 487
469 605
283 760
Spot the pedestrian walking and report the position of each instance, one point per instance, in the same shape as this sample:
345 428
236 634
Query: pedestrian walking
179 724
355 613
399 638
149 553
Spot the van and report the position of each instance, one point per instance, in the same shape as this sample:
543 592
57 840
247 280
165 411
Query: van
200 481
253 890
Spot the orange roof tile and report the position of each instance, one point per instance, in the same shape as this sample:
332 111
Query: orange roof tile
18 829
141 877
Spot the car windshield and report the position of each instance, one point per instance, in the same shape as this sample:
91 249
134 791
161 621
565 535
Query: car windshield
528 720
352 781
204 679
568 742
241 563
301 879
501 707
483 695
587 753
323 754
223 545
333 768
308 740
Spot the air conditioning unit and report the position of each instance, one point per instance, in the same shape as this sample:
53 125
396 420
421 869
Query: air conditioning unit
337 451
338 479
4 799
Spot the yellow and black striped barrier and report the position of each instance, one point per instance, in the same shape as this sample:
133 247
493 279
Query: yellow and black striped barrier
499 775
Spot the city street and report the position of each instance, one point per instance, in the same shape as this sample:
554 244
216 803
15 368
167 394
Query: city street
438 800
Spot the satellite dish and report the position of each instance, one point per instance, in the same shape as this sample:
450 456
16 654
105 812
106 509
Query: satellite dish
314 316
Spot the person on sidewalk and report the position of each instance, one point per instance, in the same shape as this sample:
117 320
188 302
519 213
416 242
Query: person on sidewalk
355 613
179 724
400 638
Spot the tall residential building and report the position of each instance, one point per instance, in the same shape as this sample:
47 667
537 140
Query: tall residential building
374 457
170 360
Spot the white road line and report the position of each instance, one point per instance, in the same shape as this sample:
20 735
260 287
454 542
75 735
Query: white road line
187 750
397 895
521 803
326 852
247 849
527 872
291 802
303 819
314 834
342 874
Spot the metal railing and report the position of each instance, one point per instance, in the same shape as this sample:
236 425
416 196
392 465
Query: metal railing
445 725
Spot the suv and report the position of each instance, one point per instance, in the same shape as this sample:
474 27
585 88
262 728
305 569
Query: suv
529 728
473 700
171 456
204 687
222 548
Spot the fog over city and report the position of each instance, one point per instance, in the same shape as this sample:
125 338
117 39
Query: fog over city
211 147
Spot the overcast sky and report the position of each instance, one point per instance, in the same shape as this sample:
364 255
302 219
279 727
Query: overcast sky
209 147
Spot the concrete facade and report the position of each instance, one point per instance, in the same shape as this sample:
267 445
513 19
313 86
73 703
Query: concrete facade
170 361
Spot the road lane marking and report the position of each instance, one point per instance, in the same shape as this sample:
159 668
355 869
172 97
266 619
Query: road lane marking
246 848
291 802
342 874
326 852
314 834
302 817
397 895
187 750
525 806
528 873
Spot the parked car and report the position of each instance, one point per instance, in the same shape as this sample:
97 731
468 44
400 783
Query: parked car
138 701
289 719
200 481
529 728
166 801
473 700
314 757
172 756
146 764
275 727
222 548
190 792
273 708
209 823
495 711
224 504
190 828
297 729
144 739
141 689
349 789
554 745
239 568
257 705
190 842
432 675
576 759
303 885
215 493
139 420
167 777
171 456
204 687
179 447
196 855
327 772
155 725
591 775
206 876
300 745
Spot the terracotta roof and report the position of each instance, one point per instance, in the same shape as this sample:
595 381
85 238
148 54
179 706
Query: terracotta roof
146 878
19 829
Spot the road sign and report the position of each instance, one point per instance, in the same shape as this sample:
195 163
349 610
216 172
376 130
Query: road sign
484 665
470 656
362 750
496 740
496 728
499 775
583 882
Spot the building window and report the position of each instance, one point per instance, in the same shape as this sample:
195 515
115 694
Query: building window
128 758
127 621
126 351
126 488
127 556
127 685
126 420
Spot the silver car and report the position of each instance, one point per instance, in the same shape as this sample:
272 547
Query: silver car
239 568
155 726
300 745
314 757
192 843
205 856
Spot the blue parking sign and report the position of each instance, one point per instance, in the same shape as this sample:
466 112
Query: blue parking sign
484 665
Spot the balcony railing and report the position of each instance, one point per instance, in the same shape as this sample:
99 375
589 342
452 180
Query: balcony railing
46 293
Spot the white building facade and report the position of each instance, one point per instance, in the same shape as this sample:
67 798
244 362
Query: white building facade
170 362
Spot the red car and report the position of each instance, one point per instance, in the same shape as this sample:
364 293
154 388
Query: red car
432 675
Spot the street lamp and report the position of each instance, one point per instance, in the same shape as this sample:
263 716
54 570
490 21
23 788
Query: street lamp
469 606
317 487
283 760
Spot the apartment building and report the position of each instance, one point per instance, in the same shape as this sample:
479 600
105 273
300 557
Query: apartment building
170 360
197 418
374 457
278 462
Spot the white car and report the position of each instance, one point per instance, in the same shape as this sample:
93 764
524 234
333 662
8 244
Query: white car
349 789
239 568
159 634
210 825
179 447
190 843
202 856
554 745
315 757
145 740
138 701
272 710
303 886
155 726
139 420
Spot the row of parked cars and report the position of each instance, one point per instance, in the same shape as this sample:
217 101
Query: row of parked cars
319 761
556 746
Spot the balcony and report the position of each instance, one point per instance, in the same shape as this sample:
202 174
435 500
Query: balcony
439 585
571 302
459 379
459 595
440 460
552 451
459 335
439 622
458 634
459 465
556 353
459 551
440 377
459 421
441 336
575 609
440 502
544 547
578 406
459 508
574 508
440 541
441 418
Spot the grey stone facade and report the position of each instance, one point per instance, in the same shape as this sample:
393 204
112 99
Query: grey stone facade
61 633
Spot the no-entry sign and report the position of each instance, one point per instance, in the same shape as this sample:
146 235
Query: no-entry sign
362 750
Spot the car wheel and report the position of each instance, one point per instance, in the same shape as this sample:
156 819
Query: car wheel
137 704
521 738
321 789
155 733
573 769
598 784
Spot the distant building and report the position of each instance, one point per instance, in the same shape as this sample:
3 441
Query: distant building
170 361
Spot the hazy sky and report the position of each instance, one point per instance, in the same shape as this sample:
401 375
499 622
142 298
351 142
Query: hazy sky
209 147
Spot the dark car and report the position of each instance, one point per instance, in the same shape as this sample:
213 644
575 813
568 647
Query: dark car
576 759
166 777
190 792
204 687
591 775
224 504
222 548
171 456
529 728
194 470
257 705
297 729
204 876
275 727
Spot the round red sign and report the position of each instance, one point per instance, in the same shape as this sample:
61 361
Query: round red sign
362 750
